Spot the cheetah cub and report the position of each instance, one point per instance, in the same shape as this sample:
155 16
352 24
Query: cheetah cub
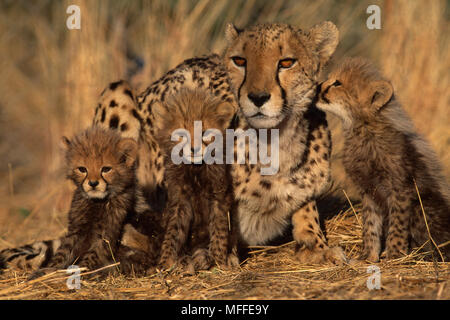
197 217
384 156
101 165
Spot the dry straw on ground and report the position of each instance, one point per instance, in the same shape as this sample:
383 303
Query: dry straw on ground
51 79
268 273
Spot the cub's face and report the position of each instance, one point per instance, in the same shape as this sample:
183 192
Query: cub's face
354 91
196 112
100 162
274 68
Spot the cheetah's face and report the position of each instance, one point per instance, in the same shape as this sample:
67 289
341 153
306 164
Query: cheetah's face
196 112
94 177
273 69
101 164
354 91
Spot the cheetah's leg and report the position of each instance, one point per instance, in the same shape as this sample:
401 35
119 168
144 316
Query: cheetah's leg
179 215
218 232
397 243
313 247
372 230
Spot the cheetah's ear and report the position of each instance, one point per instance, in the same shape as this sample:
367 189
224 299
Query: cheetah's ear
231 32
128 148
381 93
326 37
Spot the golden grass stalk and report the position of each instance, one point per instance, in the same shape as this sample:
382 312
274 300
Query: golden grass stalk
426 222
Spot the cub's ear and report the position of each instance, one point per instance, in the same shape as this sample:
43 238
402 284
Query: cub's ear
231 32
326 37
381 93
66 142
224 113
128 148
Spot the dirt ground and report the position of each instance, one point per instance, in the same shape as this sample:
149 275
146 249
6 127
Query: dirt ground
268 273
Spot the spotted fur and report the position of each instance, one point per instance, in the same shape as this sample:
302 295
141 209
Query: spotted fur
384 156
197 218
102 166
268 204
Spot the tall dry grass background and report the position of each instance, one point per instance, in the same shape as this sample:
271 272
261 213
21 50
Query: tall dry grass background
51 77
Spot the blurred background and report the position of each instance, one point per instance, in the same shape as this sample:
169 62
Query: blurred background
51 76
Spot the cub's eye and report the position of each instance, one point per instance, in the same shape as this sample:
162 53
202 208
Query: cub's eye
106 169
337 83
82 169
239 61
286 63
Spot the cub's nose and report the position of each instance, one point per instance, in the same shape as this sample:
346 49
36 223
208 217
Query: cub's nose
259 98
93 184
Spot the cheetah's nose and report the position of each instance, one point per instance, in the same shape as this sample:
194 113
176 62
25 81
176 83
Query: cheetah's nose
93 184
259 98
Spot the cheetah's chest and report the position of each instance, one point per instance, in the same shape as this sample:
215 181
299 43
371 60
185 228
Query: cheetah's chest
265 203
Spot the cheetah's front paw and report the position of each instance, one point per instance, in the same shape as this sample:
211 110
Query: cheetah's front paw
334 255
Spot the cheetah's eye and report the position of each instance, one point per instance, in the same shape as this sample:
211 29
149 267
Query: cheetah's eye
106 169
239 61
286 63
82 169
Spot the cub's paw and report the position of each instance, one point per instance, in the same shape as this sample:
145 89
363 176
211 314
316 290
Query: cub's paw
201 260
167 262
369 255
232 261
325 255
134 262
393 253
307 239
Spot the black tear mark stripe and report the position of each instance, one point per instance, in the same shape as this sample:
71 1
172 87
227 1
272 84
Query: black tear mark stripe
242 84
283 92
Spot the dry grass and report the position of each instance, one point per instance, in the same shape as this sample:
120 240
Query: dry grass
51 78
268 273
